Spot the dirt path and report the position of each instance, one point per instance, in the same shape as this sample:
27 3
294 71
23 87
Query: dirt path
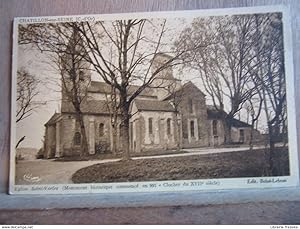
49 171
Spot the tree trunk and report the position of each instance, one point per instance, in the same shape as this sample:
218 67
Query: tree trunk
114 118
114 137
284 134
179 137
271 149
125 129
227 131
251 135
84 144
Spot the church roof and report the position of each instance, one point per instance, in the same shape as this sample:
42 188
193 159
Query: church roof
190 84
186 87
101 107
153 105
102 87
88 106
166 77
213 113
162 54
54 118
239 123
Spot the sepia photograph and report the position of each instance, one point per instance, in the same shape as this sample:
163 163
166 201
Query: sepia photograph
163 101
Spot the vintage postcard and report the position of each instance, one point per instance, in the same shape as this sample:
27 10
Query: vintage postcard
160 101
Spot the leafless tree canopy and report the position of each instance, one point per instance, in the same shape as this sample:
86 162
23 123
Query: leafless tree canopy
26 92
123 53
242 67
239 59
65 51
243 60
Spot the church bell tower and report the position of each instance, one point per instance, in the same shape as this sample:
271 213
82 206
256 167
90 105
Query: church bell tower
75 70
164 83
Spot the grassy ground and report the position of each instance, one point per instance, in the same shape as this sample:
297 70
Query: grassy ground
221 165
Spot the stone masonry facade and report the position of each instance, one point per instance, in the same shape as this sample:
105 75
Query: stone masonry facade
161 119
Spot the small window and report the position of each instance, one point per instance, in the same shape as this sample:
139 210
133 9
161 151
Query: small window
77 138
150 125
120 129
81 75
192 129
101 129
215 127
168 126
191 110
242 136
131 133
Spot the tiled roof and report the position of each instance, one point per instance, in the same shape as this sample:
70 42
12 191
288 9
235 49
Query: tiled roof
153 105
213 113
190 84
53 119
100 107
90 106
186 87
102 87
238 123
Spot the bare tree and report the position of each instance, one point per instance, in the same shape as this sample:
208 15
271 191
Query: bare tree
223 63
112 104
254 108
75 83
270 74
175 97
134 46
27 90
62 45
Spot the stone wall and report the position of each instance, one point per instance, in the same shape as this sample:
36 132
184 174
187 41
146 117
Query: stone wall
102 137
236 135
216 139
159 138
69 127
50 141
193 109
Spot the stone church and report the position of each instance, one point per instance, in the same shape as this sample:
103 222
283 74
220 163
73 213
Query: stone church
166 115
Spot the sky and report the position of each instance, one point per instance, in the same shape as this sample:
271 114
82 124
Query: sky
47 99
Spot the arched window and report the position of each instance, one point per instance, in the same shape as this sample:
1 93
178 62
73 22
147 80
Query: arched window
81 75
150 125
101 129
77 138
192 128
242 136
120 128
191 110
215 127
168 126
